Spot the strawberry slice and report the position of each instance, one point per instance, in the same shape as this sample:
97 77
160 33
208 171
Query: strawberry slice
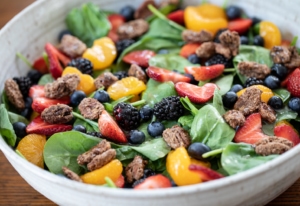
36 91
189 49
38 126
116 20
203 73
140 57
120 182
154 182
285 130
239 25
41 103
41 65
195 93
293 83
110 129
55 57
164 75
177 16
251 131
206 174
113 36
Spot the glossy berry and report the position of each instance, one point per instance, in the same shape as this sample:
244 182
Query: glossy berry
194 59
155 129
294 104
236 88
258 41
77 97
127 12
279 71
193 80
163 51
197 149
146 113
255 20
219 59
20 129
83 65
102 96
136 137
121 74
272 82
127 116
26 112
219 32
24 84
79 128
95 134
229 99
62 33
244 40
233 12
34 76
121 45
276 102
148 172
253 81
169 108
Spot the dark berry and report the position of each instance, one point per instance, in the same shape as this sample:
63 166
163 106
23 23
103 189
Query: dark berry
136 137
102 96
294 104
79 128
197 149
219 32
272 82
236 88
26 112
121 74
146 113
135 183
28 102
95 134
253 81
148 172
83 65
20 129
173 183
258 41
255 20
62 33
244 40
121 45
276 102
155 129
233 12
279 71
229 99
77 97
193 80
194 59
163 51
219 59
169 108
127 116
24 84
34 76
127 12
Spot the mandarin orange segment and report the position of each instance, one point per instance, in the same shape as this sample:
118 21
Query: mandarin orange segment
71 70
200 163
266 92
32 147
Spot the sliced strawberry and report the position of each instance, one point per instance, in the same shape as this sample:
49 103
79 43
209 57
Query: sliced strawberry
140 57
206 174
195 93
177 16
110 129
41 65
36 91
203 73
239 25
116 20
189 49
285 81
251 131
113 36
164 75
120 182
293 83
38 126
55 57
285 130
41 103
154 182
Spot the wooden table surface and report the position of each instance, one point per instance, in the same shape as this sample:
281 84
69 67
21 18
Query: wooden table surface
15 191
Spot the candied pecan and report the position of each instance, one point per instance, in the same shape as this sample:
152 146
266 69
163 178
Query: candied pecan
176 137
57 114
72 46
280 54
142 12
249 101
273 145
71 175
206 50
90 108
234 118
136 71
133 29
105 80
14 94
295 59
135 169
196 37
231 40
102 159
225 51
253 69
267 113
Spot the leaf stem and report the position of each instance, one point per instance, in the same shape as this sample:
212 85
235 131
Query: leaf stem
109 182
229 70
138 103
75 114
24 59
294 41
212 153
188 105
123 99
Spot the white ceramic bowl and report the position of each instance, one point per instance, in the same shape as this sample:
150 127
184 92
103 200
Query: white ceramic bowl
41 22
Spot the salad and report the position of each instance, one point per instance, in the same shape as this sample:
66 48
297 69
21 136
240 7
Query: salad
155 97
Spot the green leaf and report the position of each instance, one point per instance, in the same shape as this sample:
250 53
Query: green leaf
186 121
17 118
6 128
268 129
240 157
188 105
164 10
218 102
45 79
224 83
89 127
285 114
282 93
90 124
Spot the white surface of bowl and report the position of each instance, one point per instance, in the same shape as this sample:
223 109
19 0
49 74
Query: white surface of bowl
41 22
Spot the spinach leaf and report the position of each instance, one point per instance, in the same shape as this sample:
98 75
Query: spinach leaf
164 10
7 104
158 165
89 127
283 94
218 102
90 124
210 128
17 118
268 129
46 78
224 83
186 121
6 128
188 105
285 113
240 157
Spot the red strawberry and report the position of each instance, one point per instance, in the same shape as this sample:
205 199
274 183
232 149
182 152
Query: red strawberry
250 132
116 20
239 25
41 103
38 126
110 129
203 73
55 57
154 182
286 130
206 174
36 91
113 36
293 83
177 16
189 49
41 65
120 182
195 93
140 57
164 75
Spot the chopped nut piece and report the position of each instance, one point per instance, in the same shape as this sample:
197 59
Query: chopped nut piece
196 37
225 51
273 145
206 50
253 69
72 46
267 113
280 54
176 137
136 71
14 94
249 101
231 40
105 80
142 12
70 174
133 29
135 169
90 108
295 59
234 118
102 159
57 114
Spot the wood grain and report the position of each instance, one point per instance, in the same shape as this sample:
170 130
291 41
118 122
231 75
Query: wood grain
15 191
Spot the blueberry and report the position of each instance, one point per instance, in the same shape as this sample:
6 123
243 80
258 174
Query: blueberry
276 102
197 149
236 88
193 80
255 20
26 112
34 76
272 82
28 102
163 51
62 33
136 137
77 97
244 40
258 41
127 12
294 104
20 129
233 12
148 172
155 129
146 113
194 59
279 71
102 96
229 99
79 128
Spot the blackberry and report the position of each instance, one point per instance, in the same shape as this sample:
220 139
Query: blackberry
95 134
127 116
82 64
219 32
24 84
219 59
169 108
121 74
34 76
123 44
253 81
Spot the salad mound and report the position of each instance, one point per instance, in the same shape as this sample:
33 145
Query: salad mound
156 97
